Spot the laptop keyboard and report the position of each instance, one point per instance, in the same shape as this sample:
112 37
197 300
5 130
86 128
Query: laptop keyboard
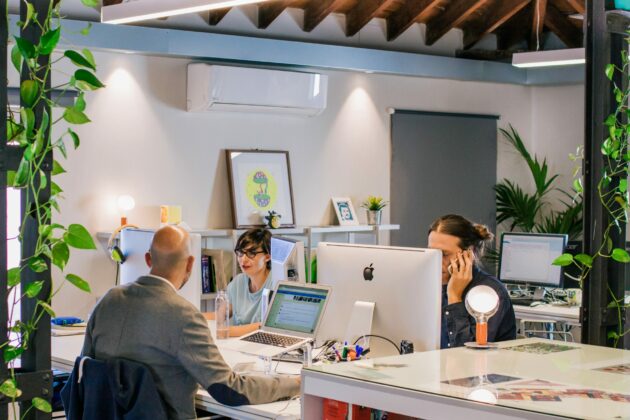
272 339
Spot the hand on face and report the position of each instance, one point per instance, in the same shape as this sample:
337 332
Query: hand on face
461 275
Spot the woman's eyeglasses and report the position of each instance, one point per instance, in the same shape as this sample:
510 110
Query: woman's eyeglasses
251 254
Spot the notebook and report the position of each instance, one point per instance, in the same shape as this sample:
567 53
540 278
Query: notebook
294 316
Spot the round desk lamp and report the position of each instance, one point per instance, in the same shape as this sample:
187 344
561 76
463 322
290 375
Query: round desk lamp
126 203
482 302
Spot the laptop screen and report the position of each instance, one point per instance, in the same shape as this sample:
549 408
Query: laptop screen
296 308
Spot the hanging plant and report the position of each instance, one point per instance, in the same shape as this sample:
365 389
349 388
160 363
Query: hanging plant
612 190
30 130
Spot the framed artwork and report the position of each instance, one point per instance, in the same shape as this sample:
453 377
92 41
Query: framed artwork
345 212
260 182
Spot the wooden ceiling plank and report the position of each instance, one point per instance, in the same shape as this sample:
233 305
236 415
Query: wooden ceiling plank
452 17
363 12
215 16
578 5
514 30
268 12
539 13
317 10
111 2
564 29
502 13
410 12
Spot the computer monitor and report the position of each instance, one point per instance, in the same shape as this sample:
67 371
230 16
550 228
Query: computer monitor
287 260
526 258
404 283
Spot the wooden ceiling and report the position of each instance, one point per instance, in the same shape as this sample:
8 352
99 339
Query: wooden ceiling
518 24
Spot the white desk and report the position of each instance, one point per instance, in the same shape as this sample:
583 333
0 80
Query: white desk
65 349
414 384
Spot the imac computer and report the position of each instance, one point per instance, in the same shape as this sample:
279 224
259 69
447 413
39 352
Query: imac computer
403 284
287 263
526 259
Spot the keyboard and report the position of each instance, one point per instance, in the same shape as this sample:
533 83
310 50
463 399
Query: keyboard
272 339
523 301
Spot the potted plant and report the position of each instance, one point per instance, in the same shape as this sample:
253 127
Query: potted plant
374 206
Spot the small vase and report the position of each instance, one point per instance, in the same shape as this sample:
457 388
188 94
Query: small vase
374 217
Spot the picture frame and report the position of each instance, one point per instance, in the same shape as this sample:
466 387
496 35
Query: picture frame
345 211
260 181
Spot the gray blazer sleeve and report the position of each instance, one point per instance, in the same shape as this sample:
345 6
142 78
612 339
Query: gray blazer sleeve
201 358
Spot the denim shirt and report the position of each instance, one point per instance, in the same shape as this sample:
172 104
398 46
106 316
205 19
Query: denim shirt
458 327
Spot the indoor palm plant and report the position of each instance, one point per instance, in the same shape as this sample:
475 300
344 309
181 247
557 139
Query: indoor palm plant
30 136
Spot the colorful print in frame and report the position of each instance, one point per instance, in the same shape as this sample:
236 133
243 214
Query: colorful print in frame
260 181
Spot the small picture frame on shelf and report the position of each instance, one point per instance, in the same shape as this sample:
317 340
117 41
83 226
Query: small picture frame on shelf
345 212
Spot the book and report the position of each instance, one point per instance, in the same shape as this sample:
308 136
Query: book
206 285
220 267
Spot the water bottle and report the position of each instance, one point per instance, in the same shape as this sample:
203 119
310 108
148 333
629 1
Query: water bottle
222 314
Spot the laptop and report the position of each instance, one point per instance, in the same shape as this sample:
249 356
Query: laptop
295 313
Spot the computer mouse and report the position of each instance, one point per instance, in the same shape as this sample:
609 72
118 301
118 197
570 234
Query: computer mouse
537 303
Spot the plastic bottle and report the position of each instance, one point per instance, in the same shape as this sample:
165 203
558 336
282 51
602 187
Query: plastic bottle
222 314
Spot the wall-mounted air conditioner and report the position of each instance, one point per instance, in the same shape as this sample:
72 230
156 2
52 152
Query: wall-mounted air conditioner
243 89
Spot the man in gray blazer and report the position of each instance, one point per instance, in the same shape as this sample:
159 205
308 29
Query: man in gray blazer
148 322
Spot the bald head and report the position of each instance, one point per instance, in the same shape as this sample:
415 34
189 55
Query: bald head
169 256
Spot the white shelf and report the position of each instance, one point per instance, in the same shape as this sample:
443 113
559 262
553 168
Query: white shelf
351 229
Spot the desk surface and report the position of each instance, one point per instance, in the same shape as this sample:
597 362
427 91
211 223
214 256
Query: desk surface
577 381
65 349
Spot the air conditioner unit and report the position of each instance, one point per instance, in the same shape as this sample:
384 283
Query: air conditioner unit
225 88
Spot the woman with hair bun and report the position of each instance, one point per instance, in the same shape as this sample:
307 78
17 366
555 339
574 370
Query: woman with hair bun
462 243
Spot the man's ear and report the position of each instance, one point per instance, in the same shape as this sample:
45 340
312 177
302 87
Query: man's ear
189 263
147 259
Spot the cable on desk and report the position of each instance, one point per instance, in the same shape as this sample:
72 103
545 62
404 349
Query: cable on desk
378 336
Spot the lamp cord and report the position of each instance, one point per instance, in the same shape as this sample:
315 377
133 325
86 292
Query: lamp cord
537 26
378 336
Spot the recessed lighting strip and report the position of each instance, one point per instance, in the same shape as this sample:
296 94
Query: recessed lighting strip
567 57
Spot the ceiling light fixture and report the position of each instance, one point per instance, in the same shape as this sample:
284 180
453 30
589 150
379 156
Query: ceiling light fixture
567 57
137 10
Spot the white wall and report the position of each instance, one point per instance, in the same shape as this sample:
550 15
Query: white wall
142 142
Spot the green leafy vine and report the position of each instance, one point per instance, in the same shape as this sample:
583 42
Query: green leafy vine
34 138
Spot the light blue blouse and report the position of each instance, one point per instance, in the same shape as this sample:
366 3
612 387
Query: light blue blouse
245 305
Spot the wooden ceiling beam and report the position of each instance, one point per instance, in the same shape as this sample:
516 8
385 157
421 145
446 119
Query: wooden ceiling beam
111 2
317 10
268 12
452 17
503 12
564 29
215 16
363 12
514 30
578 5
410 12
539 12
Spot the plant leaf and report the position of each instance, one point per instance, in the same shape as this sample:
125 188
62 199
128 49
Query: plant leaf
43 179
89 79
42 405
74 116
13 129
30 11
612 335
86 31
49 41
563 260
75 138
55 188
585 259
90 3
21 176
26 47
10 389
34 288
620 255
78 282
47 308
57 168
87 53
29 91
27 117
78 59
79 104
16 58
13 276
60 254
78 237
610 71
11 353
37 264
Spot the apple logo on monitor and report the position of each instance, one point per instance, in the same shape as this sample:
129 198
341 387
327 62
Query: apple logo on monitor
368 273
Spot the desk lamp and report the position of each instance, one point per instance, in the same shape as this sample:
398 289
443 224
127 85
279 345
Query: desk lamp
482 302
126 203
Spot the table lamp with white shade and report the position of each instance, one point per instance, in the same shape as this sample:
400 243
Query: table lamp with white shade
481 302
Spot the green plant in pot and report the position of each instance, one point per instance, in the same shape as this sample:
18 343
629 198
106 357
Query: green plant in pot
374 206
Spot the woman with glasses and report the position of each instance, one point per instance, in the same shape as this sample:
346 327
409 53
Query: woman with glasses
253 252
